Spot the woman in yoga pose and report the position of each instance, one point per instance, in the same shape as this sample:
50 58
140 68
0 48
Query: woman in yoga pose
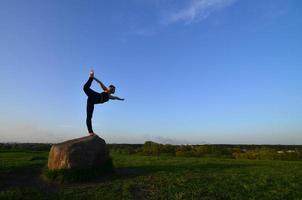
96 98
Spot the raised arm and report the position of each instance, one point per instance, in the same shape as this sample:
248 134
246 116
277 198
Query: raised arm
116 98
101 84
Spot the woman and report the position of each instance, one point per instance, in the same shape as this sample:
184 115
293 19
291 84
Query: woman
96 98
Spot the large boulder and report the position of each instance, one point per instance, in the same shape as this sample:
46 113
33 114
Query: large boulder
81 153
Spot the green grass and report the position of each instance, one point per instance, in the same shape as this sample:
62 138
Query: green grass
164 177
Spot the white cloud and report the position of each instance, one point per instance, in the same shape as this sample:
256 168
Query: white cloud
196 11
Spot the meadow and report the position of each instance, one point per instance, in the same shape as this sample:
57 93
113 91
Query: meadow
155 177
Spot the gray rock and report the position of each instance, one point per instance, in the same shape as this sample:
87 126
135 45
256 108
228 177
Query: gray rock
81 153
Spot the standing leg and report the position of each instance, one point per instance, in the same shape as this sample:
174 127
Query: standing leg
89 110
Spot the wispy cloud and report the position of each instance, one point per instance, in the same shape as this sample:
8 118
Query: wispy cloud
177 141
167 12
196 11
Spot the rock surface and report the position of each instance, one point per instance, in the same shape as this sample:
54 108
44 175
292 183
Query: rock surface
81 153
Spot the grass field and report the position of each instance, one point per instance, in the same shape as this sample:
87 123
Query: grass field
163 177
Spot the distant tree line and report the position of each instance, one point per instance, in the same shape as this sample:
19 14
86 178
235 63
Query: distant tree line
125 148
254 152
25 146
149 148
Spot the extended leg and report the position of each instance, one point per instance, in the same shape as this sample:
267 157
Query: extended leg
89 110
86 88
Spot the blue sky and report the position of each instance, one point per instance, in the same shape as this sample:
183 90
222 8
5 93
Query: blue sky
196 71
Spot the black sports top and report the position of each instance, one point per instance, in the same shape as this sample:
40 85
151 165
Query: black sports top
102 97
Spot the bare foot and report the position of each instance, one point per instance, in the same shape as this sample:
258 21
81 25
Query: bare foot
91 134
91 74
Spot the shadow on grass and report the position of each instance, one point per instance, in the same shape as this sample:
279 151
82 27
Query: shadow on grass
77 175
32 173
26 179
132 172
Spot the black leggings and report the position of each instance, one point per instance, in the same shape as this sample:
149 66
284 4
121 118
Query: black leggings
90 103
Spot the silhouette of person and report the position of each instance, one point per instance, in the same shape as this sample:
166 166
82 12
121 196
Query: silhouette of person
96 98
